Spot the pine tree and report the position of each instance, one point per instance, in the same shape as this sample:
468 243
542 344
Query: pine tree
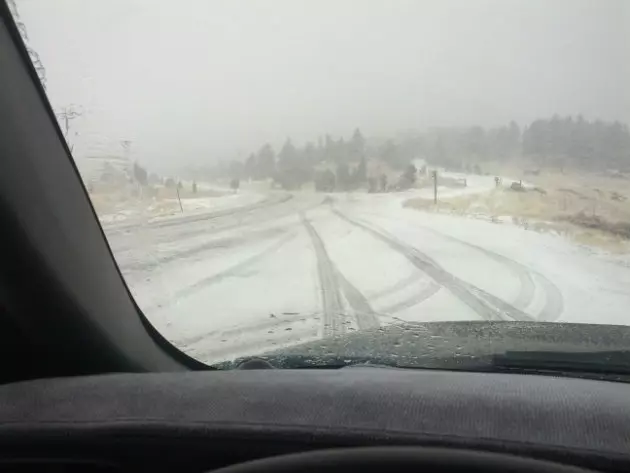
266 162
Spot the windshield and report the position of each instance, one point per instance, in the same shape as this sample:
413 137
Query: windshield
318 178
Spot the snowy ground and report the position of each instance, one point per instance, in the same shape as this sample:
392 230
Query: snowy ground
143 214
284 269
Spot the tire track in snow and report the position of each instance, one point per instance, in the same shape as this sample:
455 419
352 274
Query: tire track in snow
252 218
229 272
527 287
483 303
122 241
333 284
228 242
553 297
416 299
398 286
366 318
554 304
332 305
200 217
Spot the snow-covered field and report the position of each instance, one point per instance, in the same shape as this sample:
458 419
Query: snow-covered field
283 269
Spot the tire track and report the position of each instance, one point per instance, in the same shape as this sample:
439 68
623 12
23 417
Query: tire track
116 228
483 303
553 297
226 242
121 241
398 286
416 299
229 272
412 300
554 304
365 316
333 285
527 286
332 304
251 218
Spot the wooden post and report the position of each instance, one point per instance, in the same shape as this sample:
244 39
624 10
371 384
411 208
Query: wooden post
178 199
435 187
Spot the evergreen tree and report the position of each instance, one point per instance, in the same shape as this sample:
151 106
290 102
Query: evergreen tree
265 162
250 167
344 181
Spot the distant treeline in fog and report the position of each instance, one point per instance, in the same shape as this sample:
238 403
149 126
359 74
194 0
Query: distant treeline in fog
558 142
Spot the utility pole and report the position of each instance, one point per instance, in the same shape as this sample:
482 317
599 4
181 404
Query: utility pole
126 146
66 115
178 198
434 175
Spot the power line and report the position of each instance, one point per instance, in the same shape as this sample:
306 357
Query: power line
35 59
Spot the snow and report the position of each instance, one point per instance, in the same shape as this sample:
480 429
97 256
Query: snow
246 283
593 288
205 204
154 212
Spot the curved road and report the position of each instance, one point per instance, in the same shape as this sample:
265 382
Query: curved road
298 267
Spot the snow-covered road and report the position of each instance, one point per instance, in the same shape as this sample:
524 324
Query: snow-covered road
295 268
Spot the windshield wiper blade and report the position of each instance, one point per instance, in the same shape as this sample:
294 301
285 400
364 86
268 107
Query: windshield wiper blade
596 362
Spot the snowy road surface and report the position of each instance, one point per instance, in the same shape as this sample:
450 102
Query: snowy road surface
294 268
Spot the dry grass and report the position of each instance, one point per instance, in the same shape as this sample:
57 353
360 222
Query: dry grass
156 201
592 209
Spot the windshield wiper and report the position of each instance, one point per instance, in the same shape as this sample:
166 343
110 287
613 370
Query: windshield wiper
594 362
610 365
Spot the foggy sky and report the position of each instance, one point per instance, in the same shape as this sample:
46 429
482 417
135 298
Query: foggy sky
198 80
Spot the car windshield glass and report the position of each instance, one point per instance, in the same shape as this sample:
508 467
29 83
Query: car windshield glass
331 182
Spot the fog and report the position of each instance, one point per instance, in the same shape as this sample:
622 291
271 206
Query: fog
196 81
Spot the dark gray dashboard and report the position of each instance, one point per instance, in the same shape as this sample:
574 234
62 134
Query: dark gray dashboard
290 410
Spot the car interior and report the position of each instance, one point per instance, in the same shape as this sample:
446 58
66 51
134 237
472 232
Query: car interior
87 384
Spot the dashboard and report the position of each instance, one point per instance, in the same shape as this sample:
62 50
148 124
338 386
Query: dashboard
201 421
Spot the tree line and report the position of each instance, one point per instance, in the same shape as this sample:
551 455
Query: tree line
341 163
292 166
578 142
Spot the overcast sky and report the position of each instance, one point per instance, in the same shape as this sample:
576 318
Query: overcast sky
196 80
